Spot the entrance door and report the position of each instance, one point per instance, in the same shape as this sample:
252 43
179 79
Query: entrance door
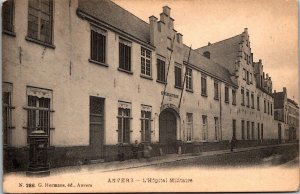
96 126
167 131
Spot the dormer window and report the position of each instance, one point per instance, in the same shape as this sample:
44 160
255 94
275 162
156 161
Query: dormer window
206 54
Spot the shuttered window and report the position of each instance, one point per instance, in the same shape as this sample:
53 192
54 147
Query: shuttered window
98 45
124 55
161 70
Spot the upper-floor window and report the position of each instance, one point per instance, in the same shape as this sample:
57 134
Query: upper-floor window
169 42
98 45
265 108
247 77
178 75
216 90
243 97
252 100
189 79
161 70
40 16
271 109
268 107
258 103
124 55
145 62
250 78
189 126
226 94
203 86
245 74
8 16
247 96
233 96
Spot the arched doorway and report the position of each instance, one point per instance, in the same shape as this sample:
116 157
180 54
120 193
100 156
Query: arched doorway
168 130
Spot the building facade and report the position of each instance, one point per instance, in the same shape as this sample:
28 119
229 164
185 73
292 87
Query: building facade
84 80
293 120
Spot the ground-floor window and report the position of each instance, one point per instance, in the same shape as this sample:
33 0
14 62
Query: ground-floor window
38 110
262 131
189 126
216 128
243 129
248 130
204 127
7 113
124 117
258 131
252 130
146 123
234 128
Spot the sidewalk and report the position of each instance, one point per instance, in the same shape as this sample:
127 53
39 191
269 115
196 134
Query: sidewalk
143 162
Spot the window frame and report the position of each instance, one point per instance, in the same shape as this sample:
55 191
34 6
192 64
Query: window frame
226 94
145 59
189 127
103 33
216 90
243 96
233 96
11 4
203 85
122 107
38 40
178 67
204 128
189 79
146 133
161 65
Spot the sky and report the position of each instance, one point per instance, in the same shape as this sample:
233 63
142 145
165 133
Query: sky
272 27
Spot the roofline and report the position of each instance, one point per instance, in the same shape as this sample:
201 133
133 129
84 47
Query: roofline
219 41
293 102
83 15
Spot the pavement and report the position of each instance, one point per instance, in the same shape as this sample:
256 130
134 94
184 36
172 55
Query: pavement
144 162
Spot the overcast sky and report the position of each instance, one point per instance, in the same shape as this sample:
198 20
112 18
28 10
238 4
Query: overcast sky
272 26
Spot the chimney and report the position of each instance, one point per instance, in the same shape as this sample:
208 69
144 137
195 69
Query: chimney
274 91
153 29
245 30
208 44
167 10
206 54
179 38
267 76
260 61
284 89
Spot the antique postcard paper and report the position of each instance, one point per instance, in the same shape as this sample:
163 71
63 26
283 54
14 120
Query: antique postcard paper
150 96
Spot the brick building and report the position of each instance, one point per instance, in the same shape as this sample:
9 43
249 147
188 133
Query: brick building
86 79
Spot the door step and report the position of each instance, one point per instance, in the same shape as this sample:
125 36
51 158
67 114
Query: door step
96 161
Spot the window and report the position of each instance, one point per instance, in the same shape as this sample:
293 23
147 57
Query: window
226 94
250 78
189 126
271 109
243 97
265 106
98 45
234 128
7 113
247 96
258 104
169 43
252 130
262 131
216 128
8 16
124 117
248 130
268 108
258 131
252 100
203 86
178 76
124 55
247 78
204 127
233 96
161 70
145 62
146 123
38 110
189 79
245 74
216 90
40 14
243 129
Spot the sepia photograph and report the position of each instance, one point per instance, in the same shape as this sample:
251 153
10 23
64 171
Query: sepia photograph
150 96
